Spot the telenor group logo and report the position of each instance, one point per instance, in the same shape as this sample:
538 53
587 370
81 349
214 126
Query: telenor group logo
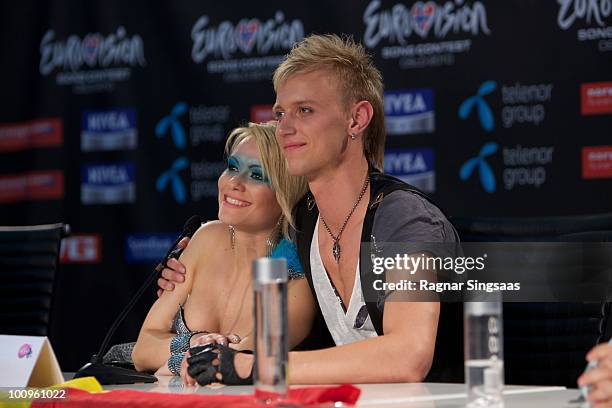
33 185
596 98
414 166
522 104
523 166
148 248
479 164
81 249
111 183
596 162
185 177
109 129
410 111
37 133
478 104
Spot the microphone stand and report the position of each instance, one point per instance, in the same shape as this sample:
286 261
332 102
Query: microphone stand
109 374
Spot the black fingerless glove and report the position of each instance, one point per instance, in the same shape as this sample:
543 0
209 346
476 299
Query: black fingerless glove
204 372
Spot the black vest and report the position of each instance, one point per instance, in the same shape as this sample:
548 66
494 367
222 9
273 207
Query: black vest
448 357
306 220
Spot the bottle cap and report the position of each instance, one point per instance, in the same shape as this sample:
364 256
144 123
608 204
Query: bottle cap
269 270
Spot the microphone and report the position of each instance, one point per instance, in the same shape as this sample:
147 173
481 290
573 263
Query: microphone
109 374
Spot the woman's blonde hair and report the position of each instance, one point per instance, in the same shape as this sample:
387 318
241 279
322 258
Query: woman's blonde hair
357 77
288 189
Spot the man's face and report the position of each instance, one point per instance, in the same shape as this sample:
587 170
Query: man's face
312 124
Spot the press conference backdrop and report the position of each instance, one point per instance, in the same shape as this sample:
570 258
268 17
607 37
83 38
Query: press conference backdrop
113 117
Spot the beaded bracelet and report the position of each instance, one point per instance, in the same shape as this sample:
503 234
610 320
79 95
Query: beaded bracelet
174 363
180 343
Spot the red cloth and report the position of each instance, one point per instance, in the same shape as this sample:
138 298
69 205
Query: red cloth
347 394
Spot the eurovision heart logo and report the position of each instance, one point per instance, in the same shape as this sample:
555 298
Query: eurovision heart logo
423 15
25 351
247 34
91 44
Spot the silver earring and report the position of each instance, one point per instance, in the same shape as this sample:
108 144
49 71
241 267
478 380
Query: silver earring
353 136
232 232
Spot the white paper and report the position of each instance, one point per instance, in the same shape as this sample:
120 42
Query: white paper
28 361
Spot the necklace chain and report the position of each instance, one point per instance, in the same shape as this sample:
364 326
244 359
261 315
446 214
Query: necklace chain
336 247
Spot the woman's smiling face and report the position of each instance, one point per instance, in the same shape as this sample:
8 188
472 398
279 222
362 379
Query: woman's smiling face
246 198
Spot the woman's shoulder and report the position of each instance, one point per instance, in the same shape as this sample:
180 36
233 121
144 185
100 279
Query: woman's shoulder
211 232
207 244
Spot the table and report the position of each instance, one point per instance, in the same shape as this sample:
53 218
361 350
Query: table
418 395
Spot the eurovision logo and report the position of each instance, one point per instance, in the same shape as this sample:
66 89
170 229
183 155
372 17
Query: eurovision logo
414 166
225 46
92 63
594 14
109 129
409 111
25 351
399 27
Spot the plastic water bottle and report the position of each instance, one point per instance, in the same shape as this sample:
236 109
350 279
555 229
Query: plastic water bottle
484 357
271 335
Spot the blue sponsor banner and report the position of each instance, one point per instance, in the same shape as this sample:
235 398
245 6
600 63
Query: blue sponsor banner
148 247
410 111
109 183
414 166
109 129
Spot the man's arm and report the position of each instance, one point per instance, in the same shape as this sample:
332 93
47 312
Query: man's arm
403 354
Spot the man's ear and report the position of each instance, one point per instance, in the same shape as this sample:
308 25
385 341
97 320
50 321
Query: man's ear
361 116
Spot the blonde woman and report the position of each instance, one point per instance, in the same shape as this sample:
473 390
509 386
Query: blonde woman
214 303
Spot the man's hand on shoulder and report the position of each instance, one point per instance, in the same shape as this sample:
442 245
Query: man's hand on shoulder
208 234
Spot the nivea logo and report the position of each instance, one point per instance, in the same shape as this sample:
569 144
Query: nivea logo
108 184
109 129
409 111
111 120
409 161
414 166
109 174
227 38
410 101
